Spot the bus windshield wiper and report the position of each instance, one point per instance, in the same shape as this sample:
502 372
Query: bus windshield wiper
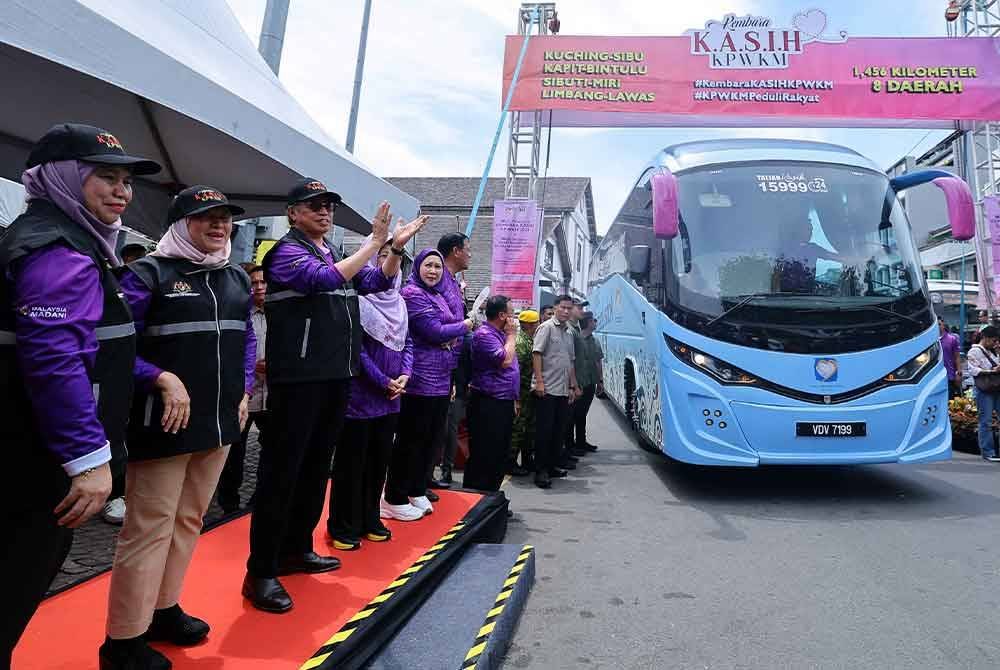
871 308
746 300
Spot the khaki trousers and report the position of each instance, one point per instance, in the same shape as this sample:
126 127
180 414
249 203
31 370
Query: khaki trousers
165 501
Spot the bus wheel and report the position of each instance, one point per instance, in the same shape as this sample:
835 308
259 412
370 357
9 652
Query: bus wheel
632 407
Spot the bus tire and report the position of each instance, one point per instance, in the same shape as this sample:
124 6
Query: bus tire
632 408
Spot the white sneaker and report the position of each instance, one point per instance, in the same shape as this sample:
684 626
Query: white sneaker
399 512
422 504
114 511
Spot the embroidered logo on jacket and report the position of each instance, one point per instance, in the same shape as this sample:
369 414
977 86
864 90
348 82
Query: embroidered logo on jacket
181 289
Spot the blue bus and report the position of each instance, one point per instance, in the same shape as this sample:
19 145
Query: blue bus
762 302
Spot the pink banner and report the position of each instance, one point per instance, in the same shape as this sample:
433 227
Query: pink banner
515 245
991 210
750 71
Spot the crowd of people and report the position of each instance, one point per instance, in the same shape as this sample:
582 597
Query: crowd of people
133 379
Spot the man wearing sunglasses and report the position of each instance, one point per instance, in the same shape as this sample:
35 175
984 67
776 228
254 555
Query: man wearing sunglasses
312 351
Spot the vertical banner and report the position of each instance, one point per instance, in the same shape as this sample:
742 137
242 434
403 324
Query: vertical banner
991 210
516 225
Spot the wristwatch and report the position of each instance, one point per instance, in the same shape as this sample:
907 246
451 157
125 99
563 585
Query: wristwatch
398 252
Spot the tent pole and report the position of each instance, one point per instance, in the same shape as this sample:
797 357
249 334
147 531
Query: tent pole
272 33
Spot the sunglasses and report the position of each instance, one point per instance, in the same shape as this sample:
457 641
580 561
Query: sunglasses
318 205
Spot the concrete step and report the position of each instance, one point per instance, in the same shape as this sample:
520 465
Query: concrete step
469 620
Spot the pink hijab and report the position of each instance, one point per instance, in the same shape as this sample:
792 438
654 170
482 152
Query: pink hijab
383 314
177 243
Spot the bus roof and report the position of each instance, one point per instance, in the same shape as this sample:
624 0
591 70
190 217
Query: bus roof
691 155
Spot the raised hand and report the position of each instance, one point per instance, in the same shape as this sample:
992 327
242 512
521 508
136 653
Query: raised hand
380 224
405 232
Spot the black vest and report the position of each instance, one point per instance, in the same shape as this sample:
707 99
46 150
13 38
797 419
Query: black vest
195 327
111 374
314 337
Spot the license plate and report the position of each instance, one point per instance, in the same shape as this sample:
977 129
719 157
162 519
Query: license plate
831 429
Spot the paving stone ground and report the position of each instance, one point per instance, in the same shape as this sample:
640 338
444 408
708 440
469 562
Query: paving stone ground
94 544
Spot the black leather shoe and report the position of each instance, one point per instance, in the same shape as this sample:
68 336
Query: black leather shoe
131 654
433 497
445 475
591 447
438 484
568 464
542 480
556 473
309 563
570 457
266 594
578 453
176 626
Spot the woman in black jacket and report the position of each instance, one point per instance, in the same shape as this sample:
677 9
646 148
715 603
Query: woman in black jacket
194 373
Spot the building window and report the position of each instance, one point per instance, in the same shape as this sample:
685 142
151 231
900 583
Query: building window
550 252
579 257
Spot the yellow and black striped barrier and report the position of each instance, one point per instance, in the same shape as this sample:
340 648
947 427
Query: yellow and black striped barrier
330 646
483 636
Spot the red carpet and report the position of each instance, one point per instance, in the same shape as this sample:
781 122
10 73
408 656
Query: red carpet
69 627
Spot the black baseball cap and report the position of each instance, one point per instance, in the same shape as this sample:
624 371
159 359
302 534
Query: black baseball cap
75 141
198 199
308 188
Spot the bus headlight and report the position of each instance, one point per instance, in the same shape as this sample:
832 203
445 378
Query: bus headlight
723 372
916 366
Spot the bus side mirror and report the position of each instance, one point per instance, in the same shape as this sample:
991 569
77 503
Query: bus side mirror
666 206
961 211
638 262
958 197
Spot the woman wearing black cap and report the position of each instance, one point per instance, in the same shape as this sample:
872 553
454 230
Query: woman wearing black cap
193 375
67 347
313 349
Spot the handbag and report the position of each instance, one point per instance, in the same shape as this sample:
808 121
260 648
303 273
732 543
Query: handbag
988 382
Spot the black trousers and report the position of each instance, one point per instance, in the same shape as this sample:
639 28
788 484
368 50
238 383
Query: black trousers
232 473
35 548
422 421
576 432
119 459
551 417
294 470
491 422
359 469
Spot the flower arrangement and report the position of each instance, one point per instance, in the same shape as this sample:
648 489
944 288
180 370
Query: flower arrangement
964 419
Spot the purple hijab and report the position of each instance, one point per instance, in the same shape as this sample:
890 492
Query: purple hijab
61 183
383 314
434 292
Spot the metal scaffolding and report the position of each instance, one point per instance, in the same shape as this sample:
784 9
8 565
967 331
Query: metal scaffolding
524 147
978 152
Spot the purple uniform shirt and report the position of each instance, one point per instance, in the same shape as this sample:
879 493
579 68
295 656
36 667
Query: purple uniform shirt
452 292
59 301
139 296
489 376
294 266
369 397
436 339
949 347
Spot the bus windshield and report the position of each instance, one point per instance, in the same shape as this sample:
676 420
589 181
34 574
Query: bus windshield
799 257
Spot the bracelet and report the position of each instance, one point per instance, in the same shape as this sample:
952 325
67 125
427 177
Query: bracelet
86 473
397 252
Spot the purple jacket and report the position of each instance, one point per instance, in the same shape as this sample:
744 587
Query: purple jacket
379 364
294 267
489 377
434 331
56 346
452 292
138 296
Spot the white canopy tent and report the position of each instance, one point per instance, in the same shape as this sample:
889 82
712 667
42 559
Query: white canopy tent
180 82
